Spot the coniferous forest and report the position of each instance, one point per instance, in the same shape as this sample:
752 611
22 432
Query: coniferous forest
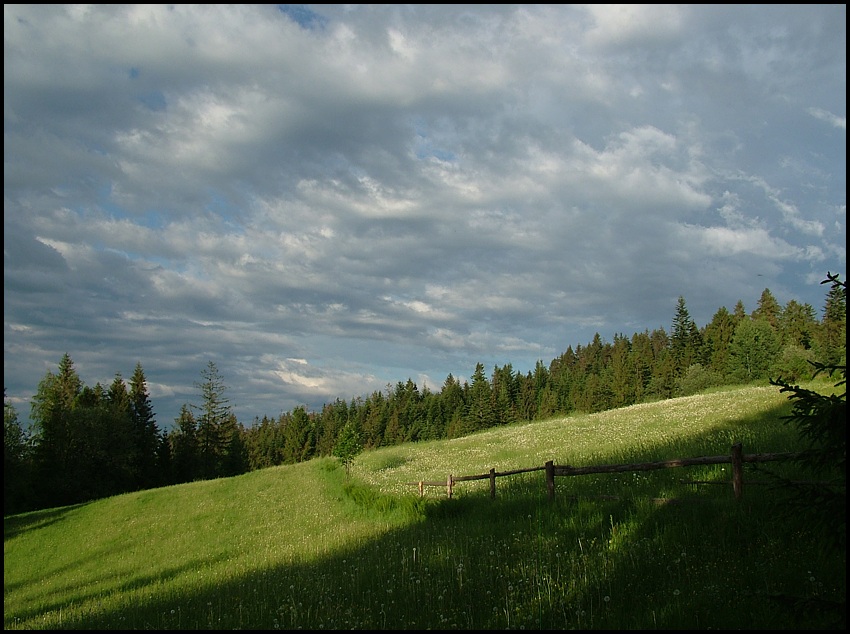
92 442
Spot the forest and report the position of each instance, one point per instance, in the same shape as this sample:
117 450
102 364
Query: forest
92 442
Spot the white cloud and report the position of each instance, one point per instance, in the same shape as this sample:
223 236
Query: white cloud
828 117
327 201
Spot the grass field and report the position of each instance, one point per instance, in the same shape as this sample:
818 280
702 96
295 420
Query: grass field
309 546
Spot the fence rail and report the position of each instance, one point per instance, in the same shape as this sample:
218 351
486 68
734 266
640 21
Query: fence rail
737 459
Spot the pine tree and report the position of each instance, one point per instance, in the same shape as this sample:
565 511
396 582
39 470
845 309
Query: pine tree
832 339
768 309
57 435
183 447
452 397
111 434
797 325
642 361
146 435
479 410
717 337
503 395
234 460
329 425
414 411
375 420
623 377
739 313
213 433
686 340
819 507
663 382
298 437
17 462
117 397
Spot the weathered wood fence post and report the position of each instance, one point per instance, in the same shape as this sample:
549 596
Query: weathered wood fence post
737 460
492 483
737 470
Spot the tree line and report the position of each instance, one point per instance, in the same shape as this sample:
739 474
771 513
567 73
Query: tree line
92 442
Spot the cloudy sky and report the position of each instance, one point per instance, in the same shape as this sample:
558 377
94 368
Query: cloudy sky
324 199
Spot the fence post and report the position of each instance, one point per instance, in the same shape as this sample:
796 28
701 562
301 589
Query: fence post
492 483
449 486
421 488
550 479
737 470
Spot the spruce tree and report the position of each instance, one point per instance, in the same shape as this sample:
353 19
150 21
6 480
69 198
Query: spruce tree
718 337
184 448
56 434
686 340
819 506
832 339
146 435
17 476
768 308
623 377
298 437
797 325
214 429
479 410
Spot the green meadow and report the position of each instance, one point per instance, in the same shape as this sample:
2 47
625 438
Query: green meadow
318 546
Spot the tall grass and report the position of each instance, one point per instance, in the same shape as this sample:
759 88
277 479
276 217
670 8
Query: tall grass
309 547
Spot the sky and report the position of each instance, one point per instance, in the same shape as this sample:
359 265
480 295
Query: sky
324 200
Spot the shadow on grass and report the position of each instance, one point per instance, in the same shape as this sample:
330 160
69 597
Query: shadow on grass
15 525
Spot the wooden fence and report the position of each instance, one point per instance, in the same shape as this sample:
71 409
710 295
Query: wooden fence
736 459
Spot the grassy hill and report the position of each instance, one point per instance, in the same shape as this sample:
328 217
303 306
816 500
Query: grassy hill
309 546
